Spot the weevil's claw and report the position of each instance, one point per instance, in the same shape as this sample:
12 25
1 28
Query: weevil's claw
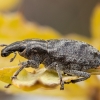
62 87
7 86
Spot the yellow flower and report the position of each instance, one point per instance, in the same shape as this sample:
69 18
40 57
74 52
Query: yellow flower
31 81
14 27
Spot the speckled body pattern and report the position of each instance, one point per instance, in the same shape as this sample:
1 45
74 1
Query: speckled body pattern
70 56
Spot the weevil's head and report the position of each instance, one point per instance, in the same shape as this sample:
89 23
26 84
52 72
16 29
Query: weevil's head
4 53
16 46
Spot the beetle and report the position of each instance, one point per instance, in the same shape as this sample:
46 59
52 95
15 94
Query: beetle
61 55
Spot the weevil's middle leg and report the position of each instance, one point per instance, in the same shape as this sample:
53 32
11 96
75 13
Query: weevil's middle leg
56 66
60 76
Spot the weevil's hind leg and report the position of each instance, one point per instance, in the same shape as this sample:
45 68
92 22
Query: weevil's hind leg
3 45
60 76
84 75
13 57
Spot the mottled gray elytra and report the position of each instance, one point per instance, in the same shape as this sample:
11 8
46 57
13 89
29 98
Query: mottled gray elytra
68 56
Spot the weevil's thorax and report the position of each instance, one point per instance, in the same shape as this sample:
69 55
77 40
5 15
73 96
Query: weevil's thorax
35 50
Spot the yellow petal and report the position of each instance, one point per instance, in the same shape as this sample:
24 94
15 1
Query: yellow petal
41 78
28 81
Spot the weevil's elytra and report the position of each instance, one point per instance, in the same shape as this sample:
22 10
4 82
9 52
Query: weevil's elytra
70 56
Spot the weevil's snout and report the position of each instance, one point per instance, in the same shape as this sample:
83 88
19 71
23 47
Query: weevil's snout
16 46
6 51
4 54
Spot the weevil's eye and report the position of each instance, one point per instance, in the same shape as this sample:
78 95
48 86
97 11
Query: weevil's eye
21 49
4 54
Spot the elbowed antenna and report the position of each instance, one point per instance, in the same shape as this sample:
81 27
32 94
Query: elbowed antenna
3 45
15 54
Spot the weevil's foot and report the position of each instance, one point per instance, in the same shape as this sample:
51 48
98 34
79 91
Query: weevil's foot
62 85
11 60
73 81
7 86
61 88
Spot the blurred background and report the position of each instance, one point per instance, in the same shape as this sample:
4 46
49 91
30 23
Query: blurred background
47 19
67 16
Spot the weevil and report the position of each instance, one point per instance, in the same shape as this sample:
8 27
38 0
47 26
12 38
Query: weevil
61 55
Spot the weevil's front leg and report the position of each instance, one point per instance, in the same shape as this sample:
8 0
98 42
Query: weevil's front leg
29 63
56 66
84 75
